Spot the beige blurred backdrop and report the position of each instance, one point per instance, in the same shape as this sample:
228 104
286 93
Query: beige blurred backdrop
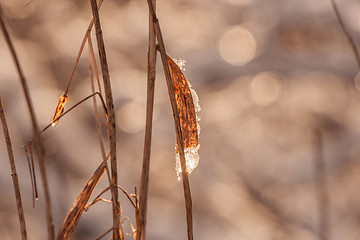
280 120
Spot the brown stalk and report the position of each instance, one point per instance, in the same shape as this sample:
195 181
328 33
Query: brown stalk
81 50
142 211
92 62
13 173
346 32
185 179
111 117
37 137
30 160
104 234
73 216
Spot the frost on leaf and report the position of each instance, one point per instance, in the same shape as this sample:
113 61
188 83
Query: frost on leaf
188 106
59 109
181 64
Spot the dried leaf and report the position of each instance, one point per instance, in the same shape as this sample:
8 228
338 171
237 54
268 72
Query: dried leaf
187 104
59 109
73 216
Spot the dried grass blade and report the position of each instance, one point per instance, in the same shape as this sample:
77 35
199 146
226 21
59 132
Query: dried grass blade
170 85
111 117
59 109
35 126
13 173
92 63
73 216
33 170
141 212
185 105
30 160
104 234
81 50
77 104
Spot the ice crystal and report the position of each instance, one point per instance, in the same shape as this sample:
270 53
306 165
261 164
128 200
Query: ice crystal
191 154
191 159
181 64
187 103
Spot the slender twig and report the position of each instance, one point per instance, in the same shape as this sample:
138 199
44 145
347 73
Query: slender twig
38 140
81 50
111 116
92 62
107 189
33 170
104 234
95 201
13 173
77 104
30 160
346 32
133 230
141 223
321 186
185 179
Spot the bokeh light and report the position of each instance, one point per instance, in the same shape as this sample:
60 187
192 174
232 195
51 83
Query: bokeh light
237 46
265 88
130 118
269 75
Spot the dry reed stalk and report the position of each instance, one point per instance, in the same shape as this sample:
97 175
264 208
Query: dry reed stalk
35 127
111 117
151 73
346 32
73 216
185 179
92 62
13 173
30 160
88 30
97 118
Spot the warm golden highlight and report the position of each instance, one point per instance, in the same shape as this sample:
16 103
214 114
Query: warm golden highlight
185 105
188 106
59 109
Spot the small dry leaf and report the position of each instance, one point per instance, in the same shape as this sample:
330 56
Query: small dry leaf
190 129
73 216
59 109
185 106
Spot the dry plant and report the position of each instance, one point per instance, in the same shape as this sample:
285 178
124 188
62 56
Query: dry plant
184 104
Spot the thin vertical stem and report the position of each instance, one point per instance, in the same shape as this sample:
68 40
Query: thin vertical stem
30 159
81 50
37 137
111 116
141 223
186 185
13 173
92 62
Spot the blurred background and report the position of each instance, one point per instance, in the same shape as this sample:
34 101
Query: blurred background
280 121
